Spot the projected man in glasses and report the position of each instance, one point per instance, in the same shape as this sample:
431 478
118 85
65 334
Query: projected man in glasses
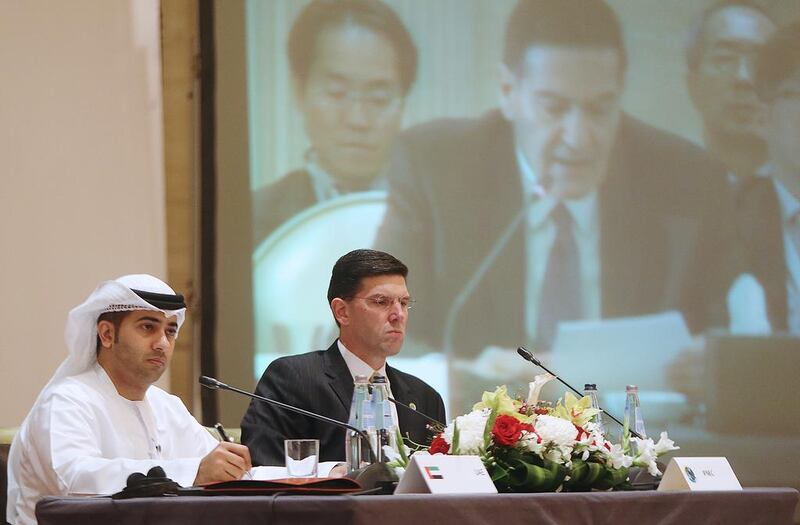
353 63
721 59
370 303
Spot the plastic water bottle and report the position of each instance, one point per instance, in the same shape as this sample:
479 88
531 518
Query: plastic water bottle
590 389
361 417
385 428
633 413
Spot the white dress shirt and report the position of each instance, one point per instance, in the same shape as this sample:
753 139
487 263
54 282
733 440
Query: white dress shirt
358 367
790 215
539 236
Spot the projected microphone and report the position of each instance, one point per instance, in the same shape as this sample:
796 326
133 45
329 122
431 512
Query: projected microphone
213 384
414 410
528 356
475 279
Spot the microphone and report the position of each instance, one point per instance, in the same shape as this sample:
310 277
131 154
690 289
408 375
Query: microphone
414 410
528 356
475 279
213 384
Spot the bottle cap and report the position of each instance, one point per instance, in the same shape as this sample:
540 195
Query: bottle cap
631 388
377 378
361 379
590 386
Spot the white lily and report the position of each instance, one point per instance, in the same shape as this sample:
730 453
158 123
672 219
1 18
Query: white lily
535 387
664 445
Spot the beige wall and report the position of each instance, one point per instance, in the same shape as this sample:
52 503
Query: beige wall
81 164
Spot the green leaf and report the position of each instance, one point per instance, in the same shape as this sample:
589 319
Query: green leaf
584 475
528 477
613 479
401 449
456 438
487 430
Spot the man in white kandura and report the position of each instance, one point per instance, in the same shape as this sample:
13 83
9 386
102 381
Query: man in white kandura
99 419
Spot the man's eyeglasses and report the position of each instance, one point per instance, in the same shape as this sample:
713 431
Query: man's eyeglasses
375 102
385 303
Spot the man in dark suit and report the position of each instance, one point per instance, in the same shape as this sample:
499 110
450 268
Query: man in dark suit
721 60
607 216
353 63
769 208
370 302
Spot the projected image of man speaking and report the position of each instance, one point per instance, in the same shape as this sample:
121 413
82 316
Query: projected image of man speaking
617 216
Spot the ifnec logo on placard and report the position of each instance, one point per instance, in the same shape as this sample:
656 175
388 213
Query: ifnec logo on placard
433 473
690 474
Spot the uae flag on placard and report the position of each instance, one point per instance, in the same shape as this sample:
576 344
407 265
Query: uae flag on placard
433 473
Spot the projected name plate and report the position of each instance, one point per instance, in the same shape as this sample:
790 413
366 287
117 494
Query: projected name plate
699 474
441 474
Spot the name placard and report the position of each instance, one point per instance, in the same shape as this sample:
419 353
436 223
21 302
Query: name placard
699 474
442 474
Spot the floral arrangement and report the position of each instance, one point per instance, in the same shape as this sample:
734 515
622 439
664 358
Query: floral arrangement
529 447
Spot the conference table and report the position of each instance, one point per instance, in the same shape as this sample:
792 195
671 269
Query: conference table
775 506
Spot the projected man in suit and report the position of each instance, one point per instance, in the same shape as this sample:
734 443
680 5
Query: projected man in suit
370 303
721 59
353 63
769 208
619 218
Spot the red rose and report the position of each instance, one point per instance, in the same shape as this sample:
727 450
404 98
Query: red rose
507 430
439 446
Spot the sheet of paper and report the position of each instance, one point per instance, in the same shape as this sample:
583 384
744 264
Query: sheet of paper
613 353
267 473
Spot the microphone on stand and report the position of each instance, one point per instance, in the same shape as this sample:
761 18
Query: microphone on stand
414 410
475 279
528 356
213 384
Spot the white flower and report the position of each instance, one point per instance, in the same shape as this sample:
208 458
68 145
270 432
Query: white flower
555 430
470 431
535 386
647 452
646 455
664 445
391 454
617 457
530 441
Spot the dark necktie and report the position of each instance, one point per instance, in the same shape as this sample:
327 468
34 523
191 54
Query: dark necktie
560 298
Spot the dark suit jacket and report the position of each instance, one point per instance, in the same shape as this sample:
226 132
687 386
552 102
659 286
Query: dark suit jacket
278 202
760 239
321 382
665 223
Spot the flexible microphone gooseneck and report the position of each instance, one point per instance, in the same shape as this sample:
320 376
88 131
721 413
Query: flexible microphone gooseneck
471 285
415 411
213 384
528 356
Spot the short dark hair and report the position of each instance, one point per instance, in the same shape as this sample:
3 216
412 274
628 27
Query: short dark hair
371 14
563 23
115 318
354 266
695 47
778 60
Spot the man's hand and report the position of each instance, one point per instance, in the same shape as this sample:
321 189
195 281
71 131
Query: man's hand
499 364
227 462
338 471
686 374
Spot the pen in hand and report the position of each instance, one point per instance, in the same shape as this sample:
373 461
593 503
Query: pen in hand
222 434
225 437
